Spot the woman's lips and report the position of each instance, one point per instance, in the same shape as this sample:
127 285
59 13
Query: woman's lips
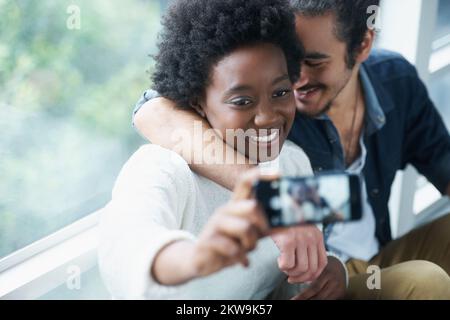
264 144
266 139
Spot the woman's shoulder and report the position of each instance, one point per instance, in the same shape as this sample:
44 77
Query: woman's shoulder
294 161
154 165
150 155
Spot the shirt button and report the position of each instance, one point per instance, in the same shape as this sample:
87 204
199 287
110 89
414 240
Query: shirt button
375 192
382 119
319 169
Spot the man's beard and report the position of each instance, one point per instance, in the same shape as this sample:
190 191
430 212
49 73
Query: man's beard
325 108
319 113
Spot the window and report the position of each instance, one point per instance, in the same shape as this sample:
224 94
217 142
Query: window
442 33
440 94
438 86
70 72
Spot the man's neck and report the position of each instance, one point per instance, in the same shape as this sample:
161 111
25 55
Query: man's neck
347 115
344 103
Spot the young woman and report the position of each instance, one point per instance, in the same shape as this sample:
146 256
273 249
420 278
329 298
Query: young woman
170 233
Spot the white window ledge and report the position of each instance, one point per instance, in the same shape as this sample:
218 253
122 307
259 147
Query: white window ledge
440 60
438 209
45 265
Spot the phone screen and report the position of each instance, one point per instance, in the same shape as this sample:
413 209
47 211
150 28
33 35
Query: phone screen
319 199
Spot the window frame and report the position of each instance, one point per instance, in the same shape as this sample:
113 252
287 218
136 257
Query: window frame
415 27
33 271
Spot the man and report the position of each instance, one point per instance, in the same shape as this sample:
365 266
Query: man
368 113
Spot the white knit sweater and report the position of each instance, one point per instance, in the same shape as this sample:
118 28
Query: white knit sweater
157 199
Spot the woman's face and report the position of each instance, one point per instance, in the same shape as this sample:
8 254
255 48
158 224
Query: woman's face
250 90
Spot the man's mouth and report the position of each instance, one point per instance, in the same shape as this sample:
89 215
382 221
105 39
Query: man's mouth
303 94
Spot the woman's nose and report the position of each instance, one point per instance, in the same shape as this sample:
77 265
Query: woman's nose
267 117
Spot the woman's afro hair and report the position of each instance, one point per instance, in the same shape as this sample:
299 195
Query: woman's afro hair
197 34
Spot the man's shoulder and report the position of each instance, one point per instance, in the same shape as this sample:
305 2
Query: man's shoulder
389 65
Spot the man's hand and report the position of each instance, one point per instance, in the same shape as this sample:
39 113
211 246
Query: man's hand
303 255
331 285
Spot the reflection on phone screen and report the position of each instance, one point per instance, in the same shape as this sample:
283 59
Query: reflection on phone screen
324 199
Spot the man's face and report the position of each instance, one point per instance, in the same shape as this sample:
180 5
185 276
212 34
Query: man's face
324 71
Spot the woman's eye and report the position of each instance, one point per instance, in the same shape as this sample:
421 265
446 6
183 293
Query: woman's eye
282 93
241 102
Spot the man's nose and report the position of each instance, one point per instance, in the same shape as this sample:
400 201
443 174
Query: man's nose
303 80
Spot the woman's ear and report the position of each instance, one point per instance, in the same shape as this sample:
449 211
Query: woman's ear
198 107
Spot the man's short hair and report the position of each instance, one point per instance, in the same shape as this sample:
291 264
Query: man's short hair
351 19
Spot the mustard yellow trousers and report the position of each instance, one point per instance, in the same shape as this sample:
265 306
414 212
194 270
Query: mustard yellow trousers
413 267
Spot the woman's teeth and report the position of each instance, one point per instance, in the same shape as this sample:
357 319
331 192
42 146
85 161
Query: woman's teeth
265 139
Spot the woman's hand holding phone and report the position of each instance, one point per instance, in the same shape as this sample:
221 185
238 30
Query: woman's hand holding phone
229 235
232 232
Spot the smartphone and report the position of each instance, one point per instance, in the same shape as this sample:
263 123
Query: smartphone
325 198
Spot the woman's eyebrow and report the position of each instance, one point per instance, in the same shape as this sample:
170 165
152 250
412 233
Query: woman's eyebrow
242 87
238 88
280 79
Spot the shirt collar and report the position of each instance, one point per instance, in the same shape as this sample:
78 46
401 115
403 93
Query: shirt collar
375 116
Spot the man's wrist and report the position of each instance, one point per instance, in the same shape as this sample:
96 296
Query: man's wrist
336 257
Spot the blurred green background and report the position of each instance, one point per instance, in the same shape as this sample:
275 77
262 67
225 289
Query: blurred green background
66 97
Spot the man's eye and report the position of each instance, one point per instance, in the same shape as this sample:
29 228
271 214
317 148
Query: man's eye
313 64
282 93
241 102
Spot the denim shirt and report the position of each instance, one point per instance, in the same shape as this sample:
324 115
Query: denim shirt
402 126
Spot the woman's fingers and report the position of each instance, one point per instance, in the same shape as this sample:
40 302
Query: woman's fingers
244 187
250 210
226 247
313 262
230 250
307 265
240 229
323 260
